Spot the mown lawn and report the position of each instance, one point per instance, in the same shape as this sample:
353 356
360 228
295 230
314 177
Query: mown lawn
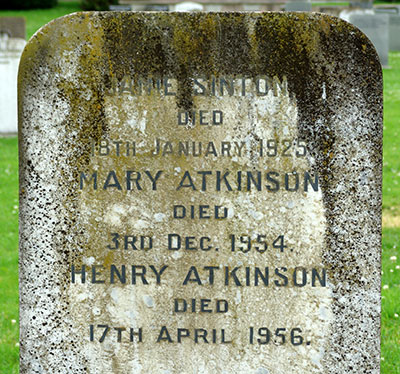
390 334
8 256
36 18
390 356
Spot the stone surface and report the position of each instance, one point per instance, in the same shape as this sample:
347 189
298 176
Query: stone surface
281 250
375 26
11 47
394 32
13 26
120 8
298 6
361 4
188 6
394 25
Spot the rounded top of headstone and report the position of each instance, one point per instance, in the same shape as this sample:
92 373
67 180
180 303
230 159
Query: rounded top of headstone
302 47
314 34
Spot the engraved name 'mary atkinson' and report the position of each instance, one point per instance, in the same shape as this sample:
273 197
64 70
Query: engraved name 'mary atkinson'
199 194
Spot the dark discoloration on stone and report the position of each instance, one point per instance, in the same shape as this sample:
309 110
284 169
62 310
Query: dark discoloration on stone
331 70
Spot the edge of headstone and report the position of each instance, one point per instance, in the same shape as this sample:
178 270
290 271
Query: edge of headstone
337 20
371 45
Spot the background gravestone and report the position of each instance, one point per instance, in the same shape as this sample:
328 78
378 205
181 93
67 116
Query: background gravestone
394 32
375 26
361 4
187 6
200 193
13 26
12 42
298 5
394 25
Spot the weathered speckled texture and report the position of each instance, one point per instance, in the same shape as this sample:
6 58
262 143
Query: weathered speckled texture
325 89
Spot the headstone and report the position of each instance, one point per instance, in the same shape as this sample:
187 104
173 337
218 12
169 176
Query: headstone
158 8
120 8
298 6
394 25
12 42
252 7
152 6
208 7
13 26
188 6
375 26
200 193
361 4
388 10
394 32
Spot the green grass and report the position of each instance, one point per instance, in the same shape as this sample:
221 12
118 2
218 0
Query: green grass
36 18
8 256
390 332
391 145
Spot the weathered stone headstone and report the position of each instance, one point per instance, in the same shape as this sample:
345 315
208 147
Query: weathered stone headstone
394 25
12 42
200 193
375 26
188 6
120 8
298 6
361 4
13 26
394 32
